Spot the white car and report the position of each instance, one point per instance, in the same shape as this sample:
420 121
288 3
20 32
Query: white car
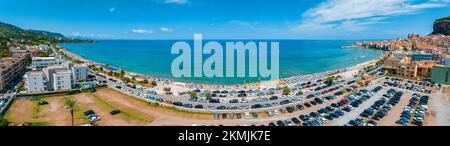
247 115
276 112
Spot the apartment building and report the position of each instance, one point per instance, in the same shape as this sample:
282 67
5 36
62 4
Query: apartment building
407 68
422 56
79 71
36 81
11 69
38 63
62 80
57 77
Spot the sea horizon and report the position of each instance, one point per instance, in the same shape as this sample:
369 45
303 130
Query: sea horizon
223 39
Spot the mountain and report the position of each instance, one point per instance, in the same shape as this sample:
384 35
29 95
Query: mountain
33 36
49 34
442 26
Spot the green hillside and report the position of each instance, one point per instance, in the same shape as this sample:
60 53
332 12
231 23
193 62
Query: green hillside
28 36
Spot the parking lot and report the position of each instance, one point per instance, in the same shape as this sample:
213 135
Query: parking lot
230 101
391 102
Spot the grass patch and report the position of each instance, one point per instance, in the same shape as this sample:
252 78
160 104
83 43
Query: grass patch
8 111
184 111
125 112
36 108
39 124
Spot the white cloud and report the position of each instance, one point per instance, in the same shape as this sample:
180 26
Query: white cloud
166 29
141 31
112 9
175 1
356 15
243 23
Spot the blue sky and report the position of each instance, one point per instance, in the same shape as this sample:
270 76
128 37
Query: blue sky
227 19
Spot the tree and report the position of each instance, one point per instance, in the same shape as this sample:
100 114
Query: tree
405 49
71 105
115 74
153 83
287 90
167 89
145 81
125 79
193 94
4 121
330 80
208 95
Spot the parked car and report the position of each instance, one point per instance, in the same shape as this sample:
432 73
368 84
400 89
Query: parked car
247 115
115 112
42 102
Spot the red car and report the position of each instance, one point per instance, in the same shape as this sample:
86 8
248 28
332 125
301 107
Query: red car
344 102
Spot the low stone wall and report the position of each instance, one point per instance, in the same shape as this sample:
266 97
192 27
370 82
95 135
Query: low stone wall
60 93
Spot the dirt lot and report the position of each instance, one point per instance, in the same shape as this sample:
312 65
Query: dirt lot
24 111
134 112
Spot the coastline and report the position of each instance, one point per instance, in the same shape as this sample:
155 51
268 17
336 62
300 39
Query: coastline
344 72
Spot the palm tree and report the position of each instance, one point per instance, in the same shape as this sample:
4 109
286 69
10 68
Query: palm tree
71 105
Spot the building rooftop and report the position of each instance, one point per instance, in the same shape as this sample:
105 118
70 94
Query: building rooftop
80 65
35 73
63 71
43 58
393 58
8 61
426 63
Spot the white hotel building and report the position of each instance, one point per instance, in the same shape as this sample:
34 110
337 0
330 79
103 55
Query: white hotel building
56 77
38 63
62 80
36 82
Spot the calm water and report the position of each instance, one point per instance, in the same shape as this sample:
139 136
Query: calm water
152 57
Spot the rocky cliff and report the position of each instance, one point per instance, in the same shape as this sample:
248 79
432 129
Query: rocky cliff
442 26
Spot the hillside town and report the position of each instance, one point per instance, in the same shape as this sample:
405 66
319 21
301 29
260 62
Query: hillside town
416 57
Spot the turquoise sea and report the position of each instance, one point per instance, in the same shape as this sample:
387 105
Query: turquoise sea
153 57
